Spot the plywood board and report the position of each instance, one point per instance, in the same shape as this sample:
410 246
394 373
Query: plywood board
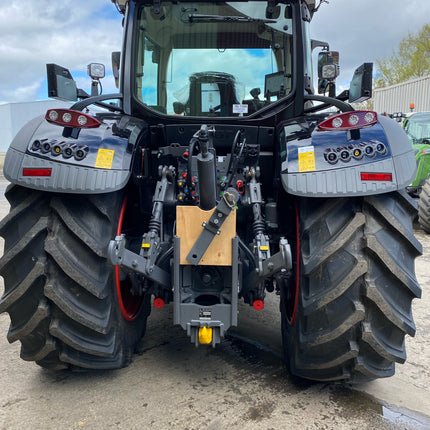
189 220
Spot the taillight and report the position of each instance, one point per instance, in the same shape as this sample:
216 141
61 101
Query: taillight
36 172
387 177
349 121
71 118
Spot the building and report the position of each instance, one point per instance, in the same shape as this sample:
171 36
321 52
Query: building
13 116
398 98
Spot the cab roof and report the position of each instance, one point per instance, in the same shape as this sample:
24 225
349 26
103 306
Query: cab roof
121 4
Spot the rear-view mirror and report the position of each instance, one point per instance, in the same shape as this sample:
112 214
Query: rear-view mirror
61 85
361 84
116 58
274 85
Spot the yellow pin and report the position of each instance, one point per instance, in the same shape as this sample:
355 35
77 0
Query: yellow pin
205 335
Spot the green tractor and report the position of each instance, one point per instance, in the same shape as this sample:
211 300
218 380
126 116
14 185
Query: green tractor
417 127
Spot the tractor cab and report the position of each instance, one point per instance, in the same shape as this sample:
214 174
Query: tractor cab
204 58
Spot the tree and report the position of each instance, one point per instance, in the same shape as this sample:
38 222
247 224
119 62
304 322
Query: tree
412 60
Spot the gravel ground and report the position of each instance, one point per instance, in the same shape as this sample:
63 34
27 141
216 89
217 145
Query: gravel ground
241 384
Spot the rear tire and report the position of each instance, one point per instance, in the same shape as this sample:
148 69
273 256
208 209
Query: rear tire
60 290
356 282
424 206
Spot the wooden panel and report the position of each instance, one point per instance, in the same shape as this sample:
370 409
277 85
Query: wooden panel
189 220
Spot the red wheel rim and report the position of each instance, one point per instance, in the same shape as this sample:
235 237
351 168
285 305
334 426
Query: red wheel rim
129 304
293 289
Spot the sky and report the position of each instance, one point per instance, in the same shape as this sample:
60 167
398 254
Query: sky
76 33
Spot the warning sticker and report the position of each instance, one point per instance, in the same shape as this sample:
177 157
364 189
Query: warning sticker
104 158
306 159
239 108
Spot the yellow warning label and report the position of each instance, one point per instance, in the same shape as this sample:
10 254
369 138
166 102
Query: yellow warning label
104 158
306 159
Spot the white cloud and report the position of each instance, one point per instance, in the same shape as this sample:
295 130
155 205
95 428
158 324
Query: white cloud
71 34
364 30
23 93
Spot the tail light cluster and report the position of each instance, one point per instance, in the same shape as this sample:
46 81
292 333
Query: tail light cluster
67 150
71 118
349 121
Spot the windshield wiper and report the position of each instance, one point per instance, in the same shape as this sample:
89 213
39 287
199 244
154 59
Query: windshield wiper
194 17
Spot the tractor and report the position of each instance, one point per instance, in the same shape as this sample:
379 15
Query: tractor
417 127
216 174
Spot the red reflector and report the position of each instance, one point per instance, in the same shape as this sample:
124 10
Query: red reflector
71 118
36 172
258 305
388 177
158 303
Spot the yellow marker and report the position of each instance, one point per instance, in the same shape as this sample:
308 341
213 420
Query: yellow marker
146 245
264 248
104 158
205 335
306 159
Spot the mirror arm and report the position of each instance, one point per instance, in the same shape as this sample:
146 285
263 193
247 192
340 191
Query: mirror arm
319 44
327 101
344 95
81 94
98 101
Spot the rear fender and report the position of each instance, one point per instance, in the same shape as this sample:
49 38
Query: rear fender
100 159
308 171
